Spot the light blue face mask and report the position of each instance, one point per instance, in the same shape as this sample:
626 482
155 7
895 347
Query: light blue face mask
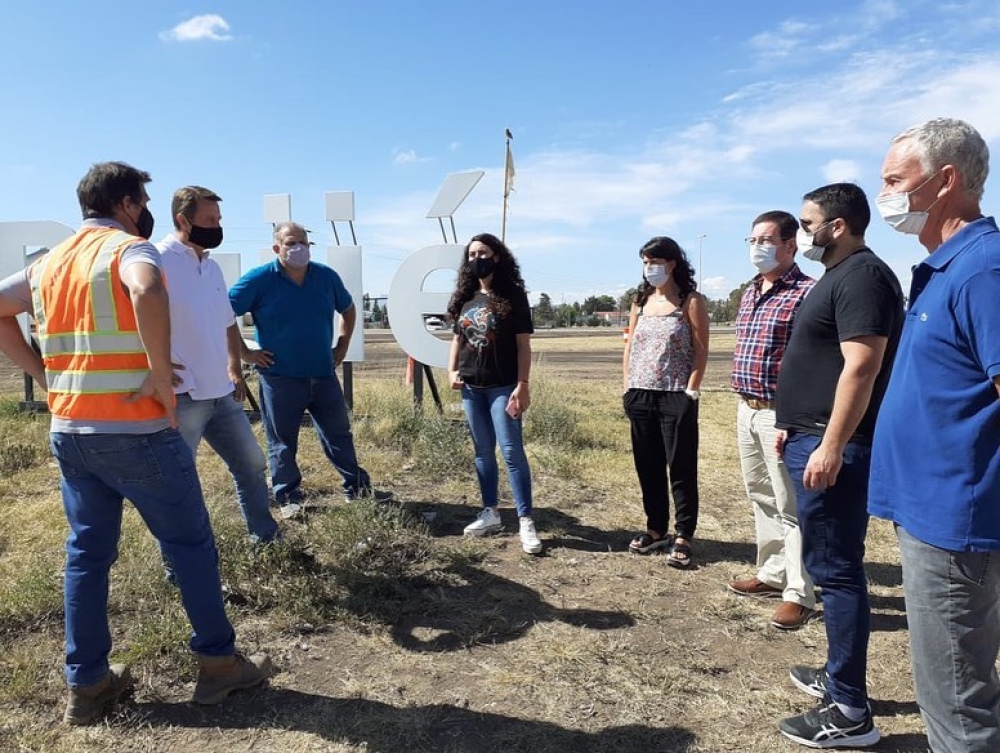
657 275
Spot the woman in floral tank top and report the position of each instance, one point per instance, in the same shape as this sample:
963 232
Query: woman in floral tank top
663 366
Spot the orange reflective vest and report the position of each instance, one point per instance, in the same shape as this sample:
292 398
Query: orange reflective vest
87 332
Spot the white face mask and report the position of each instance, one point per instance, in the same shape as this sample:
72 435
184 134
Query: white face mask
297 256
895 210
657 275
806 245
764 257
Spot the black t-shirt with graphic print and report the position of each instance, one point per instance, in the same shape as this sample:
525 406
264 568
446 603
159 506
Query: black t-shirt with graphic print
487 355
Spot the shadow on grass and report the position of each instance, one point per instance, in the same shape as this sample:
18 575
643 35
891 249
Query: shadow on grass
460 606
383 728
560 530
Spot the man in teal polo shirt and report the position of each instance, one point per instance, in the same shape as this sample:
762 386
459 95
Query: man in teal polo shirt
293 300
936 455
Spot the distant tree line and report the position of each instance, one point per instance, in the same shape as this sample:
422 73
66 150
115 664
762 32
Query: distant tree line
576 314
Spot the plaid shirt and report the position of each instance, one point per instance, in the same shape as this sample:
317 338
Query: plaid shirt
763 328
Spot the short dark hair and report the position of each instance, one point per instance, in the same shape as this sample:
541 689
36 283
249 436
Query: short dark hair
846 201
106 185
787 224
186 200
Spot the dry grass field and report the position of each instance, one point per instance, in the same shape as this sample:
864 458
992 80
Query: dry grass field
391 633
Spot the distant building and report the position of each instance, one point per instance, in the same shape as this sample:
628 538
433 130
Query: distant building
613 318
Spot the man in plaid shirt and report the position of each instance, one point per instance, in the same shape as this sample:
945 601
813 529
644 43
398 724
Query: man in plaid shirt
763 328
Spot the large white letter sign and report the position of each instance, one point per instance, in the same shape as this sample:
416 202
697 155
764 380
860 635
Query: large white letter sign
15 237
346 261
408 302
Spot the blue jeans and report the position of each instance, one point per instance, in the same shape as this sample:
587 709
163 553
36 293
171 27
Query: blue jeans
485 408
283 402
157 474
953 611
224 425
834 524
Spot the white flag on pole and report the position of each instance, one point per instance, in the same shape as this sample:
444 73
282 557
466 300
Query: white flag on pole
508 175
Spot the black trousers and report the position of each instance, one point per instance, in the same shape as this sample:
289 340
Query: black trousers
665 437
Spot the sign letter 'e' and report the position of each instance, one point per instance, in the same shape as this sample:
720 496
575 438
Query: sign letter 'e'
409 302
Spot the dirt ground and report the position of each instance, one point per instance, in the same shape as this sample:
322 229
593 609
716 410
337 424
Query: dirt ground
590 648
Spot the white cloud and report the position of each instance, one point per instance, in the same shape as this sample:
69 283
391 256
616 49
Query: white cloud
407 157
716 287
210 27
842 171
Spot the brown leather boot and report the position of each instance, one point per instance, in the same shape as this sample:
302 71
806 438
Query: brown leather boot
87 704
218 676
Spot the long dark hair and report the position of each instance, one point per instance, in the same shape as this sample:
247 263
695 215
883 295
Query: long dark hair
505 283
662 247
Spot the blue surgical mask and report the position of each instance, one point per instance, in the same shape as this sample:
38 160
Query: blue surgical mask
657 275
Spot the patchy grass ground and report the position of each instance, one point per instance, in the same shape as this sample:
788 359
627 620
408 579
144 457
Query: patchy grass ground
393 633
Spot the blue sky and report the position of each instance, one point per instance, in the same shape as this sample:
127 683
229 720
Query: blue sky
631 119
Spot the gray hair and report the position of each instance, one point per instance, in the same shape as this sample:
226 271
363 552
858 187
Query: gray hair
283 226
946 141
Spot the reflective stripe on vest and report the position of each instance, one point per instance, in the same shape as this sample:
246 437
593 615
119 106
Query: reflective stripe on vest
95 383
90 343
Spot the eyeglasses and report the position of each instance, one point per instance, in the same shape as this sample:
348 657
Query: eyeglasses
764 240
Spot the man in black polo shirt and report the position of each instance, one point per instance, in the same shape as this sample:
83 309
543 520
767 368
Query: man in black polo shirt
831 384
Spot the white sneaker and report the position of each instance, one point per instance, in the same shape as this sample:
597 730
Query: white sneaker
487 522
291 511
530 542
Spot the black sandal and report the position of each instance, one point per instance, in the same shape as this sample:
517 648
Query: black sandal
644 543
680 555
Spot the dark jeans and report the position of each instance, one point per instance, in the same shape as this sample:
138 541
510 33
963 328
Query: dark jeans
834 524
283 402
665 436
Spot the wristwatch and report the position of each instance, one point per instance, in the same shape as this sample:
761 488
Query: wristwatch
693 394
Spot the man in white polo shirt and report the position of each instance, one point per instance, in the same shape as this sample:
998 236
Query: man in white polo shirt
205 343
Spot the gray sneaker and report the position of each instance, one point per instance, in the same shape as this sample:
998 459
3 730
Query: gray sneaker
218 676
809 680
88 704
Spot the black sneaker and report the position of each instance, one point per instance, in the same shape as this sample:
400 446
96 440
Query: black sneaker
809 680
826 727
366 492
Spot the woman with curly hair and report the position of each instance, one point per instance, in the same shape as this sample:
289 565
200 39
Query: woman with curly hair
663 365
490 361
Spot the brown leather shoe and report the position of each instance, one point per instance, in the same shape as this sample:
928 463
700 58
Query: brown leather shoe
791 616
756 588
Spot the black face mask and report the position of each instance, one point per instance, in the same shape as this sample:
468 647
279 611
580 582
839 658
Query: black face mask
144 225
482 268
205 237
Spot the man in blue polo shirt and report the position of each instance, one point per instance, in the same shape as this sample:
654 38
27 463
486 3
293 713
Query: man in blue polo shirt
293 301
936 456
